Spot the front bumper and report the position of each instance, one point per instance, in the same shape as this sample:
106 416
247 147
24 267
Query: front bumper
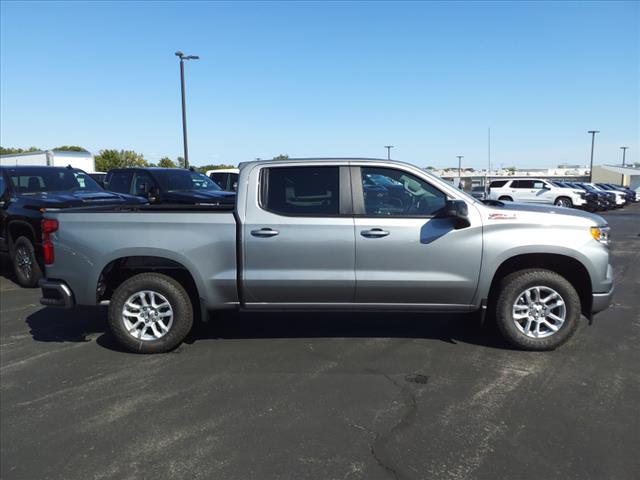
56 293
601 301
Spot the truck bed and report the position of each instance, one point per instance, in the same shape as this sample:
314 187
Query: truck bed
199 238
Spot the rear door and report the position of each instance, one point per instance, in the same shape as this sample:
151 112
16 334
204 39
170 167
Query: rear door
298 237
405 253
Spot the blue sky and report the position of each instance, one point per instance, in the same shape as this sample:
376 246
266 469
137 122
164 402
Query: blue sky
326 79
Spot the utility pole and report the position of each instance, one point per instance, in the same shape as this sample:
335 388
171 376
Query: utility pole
184 107
388 147
624 152
460 157
593 139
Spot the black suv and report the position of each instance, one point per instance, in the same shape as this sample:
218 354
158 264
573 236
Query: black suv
168 185
24 193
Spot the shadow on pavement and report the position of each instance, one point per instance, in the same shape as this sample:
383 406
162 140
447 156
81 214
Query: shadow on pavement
55 325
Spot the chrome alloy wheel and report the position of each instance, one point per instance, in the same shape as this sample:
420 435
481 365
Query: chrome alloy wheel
539 312
562 202
147 315
24 261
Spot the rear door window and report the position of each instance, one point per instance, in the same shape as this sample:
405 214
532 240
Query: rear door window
522 184
301 191
120 182
498 183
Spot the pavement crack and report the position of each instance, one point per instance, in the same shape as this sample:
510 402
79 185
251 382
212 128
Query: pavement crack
407 412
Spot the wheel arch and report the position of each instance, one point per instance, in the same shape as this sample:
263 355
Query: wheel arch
122 268
568 267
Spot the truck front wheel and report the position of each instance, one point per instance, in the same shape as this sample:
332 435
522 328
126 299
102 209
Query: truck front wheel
150 313
537 309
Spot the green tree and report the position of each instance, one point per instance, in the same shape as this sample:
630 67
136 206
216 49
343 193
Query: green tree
111 158
282 156
11 151
166 162
71 148
180 162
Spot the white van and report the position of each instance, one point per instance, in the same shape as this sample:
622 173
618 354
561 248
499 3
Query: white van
51 158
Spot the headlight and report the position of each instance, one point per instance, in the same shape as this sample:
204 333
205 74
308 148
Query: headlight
601 234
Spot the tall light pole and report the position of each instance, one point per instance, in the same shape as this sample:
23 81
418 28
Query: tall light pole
184 106
624 152
460 157
593 139
388 147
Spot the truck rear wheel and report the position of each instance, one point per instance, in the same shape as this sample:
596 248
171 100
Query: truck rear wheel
150 313
25 263
537 309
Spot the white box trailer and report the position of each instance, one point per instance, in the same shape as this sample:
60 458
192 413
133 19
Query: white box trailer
53 158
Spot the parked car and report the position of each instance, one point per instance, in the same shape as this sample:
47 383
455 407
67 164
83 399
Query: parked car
168 185
629 195
301 237
535 190
593 203
607 198
24 191
620 197
226 178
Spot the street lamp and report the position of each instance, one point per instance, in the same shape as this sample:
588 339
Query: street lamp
593 139
184 107
624 152
388 147
460 157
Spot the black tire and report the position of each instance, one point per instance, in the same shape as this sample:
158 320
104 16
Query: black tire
179 302
563 202
25 263
504 198
513 285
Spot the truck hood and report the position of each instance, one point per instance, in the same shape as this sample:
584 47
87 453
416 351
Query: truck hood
77 199
198 196
544 213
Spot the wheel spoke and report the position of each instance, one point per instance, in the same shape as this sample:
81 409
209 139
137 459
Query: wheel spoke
556 318
551 326
156 332
142 330
527 294
164 328
135 326
527 327
143 299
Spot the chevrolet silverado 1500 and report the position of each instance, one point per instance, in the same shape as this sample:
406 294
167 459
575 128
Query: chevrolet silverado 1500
339 234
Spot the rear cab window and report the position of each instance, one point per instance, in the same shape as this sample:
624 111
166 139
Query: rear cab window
301 191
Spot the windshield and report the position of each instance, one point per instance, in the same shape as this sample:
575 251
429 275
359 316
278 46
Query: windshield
173 180
51 179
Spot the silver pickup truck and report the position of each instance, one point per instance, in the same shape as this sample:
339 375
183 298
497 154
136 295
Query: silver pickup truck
331 234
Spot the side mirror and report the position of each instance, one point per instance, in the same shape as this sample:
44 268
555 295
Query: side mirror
152 195
459 211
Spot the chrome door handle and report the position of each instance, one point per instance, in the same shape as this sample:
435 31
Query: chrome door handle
265 232
374 233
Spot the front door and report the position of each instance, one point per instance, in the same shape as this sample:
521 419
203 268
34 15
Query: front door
298 238
405 254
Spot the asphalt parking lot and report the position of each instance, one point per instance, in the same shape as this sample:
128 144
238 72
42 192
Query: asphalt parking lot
323 396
